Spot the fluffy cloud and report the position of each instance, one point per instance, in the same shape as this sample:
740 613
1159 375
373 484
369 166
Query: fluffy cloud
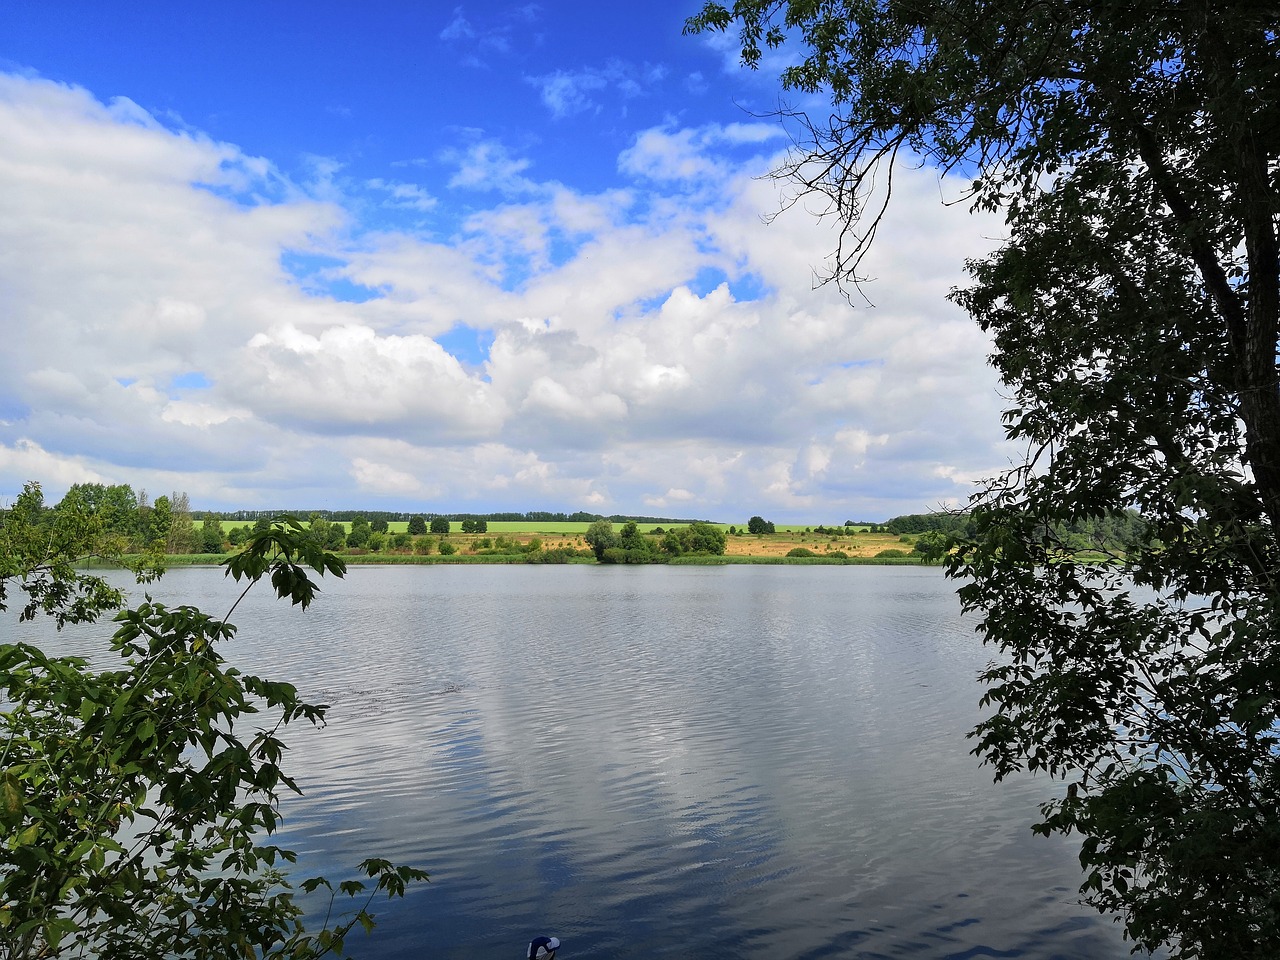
654 344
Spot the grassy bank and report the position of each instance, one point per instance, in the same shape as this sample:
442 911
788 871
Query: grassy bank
407 559
526 542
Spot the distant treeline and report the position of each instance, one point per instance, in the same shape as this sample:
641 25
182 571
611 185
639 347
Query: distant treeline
394 516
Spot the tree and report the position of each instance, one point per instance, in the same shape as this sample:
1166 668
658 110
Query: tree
115 507
133 811
630 537
1134 311
379 525
211 534
600 537
182 530
336 537
932 546
360 533
417 526
160 522
318 527
440 525
697 537
760 525
41 549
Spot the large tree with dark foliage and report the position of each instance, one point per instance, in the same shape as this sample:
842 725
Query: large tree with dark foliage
1133 306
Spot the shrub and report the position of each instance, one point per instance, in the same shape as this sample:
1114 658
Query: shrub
800 552
554 555
891 553
447 549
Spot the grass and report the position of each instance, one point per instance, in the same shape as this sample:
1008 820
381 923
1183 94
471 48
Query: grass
859 548
742 547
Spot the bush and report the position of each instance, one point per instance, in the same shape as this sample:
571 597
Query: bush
447 549
891 553
423 545
800 552
554 555
622 555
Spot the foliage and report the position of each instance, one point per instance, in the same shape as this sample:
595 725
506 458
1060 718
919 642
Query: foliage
554 555
1134 311
335 537
447 549
135 809
417 526
473 525
212 537
600 537
939 521
182 537
361 531
39 550
760 525
440 525
932 546
800 552
696 538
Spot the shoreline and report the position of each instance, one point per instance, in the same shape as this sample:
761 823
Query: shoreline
215 560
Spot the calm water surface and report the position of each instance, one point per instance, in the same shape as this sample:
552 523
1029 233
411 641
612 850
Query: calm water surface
714 762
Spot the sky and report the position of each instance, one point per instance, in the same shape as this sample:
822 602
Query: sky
459 259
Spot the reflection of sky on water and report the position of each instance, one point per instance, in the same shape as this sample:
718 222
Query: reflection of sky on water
720 762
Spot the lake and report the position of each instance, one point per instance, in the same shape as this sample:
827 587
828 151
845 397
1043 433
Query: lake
719 762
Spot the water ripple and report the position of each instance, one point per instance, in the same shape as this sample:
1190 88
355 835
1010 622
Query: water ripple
726 762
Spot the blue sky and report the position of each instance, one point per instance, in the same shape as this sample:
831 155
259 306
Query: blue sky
456 258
